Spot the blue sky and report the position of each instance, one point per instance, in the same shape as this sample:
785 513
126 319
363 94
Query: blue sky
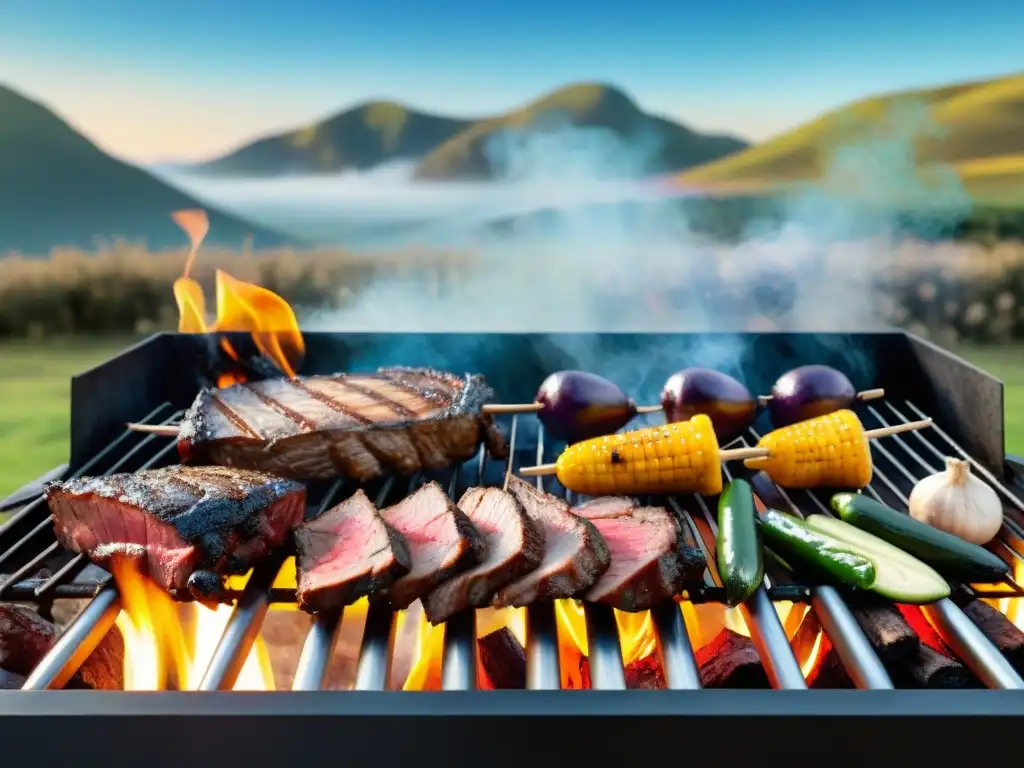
156 79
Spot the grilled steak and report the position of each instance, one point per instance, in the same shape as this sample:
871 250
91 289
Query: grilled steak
26 637
188 526
575 555
650 560
441 542
347 553
351 425
514 548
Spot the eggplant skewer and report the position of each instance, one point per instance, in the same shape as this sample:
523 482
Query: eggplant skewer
810 391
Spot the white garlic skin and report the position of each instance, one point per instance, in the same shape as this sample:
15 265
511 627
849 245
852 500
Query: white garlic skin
957 502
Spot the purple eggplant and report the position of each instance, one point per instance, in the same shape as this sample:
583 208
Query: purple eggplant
725 401
578 406
807 392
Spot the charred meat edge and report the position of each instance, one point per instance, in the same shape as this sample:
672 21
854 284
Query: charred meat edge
473 394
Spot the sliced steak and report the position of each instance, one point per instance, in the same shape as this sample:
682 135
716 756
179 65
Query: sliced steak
442 541
351 425
187 526
575 555
26 637
515 546
347 553
650 559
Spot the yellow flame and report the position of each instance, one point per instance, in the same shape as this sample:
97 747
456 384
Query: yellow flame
241 307
159 654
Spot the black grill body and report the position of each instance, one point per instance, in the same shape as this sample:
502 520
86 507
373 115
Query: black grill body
156 379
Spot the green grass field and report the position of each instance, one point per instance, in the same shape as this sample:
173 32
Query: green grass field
35 390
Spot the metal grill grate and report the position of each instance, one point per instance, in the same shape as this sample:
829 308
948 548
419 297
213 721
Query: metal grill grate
27 545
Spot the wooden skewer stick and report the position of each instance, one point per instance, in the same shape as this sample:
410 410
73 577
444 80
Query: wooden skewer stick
167 430
507 408
867 394
895 429
737 454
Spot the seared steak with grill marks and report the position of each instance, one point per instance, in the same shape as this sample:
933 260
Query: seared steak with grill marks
575 555
188 526
26 637
514 548
347 553
650 559
442 541
351 425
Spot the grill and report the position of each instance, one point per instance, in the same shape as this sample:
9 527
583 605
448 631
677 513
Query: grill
154 381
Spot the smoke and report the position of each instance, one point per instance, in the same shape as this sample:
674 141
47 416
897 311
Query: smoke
563 247
563 244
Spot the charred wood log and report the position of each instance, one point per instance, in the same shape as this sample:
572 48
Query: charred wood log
893 639
26 637
912 652
1004 634
731 661
503 659
645 674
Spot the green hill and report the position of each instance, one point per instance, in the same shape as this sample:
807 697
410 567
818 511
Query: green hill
358 138
57 188
672 146
974 128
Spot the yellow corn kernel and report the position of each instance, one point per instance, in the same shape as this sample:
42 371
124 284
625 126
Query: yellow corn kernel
673 458
827 451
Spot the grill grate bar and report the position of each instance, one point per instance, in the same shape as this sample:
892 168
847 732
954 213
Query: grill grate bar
844 633
459 652
675 652
607 671
311 670
543 666
375 653
242 629
75 644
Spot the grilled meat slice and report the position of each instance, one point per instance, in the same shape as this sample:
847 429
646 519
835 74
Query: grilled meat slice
351 425
188 526
575 555
26 637
442 542
514 548
650 559
347 553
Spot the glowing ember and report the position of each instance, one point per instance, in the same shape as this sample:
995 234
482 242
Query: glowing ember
169 645
240 306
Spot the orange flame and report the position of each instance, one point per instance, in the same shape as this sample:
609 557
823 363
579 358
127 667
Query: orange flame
240 306
160 654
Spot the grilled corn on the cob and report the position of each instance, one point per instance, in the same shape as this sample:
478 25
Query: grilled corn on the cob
830 450
673 458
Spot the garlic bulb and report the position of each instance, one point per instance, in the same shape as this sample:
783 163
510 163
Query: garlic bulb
957 502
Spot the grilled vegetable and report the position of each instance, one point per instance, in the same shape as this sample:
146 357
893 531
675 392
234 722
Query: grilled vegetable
946 553
807 392
830 451
672 458
853 557
740 553
793 538
578 405
957 502
898 576
728 404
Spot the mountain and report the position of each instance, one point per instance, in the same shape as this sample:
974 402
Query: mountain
358 138
57 188
662 145
974 128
